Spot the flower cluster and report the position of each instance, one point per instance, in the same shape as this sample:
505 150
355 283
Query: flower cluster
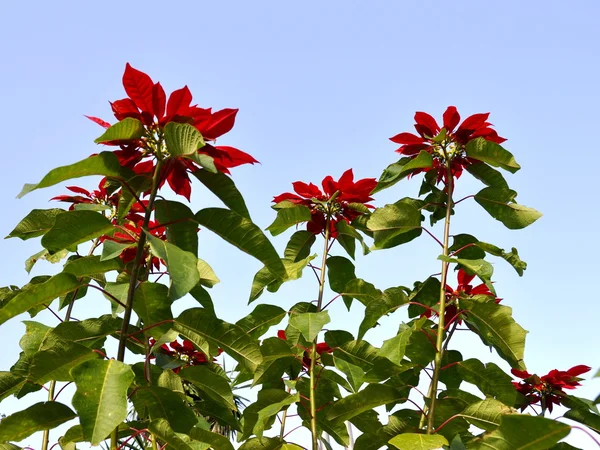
463 289
547 389
321 348
186 353
344 199
446 144
147 102
100 196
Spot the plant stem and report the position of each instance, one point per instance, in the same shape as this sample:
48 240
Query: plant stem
439 350
133 280
313 350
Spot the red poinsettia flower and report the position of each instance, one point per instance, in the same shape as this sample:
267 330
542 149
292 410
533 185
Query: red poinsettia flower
350 193
463 289
98 196
447 141
186 352
548 389
147 102
321 348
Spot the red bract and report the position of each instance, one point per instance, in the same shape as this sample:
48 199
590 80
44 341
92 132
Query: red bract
350 194
147 102
321 348
186 352
99 196
463 289
130 233
445 142
548 389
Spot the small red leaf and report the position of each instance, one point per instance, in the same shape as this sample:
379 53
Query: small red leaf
159 99
179 102
138 87
99 121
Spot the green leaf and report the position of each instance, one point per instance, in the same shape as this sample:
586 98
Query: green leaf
340 272
479 267
91 265
152 305
125 130
224 188
208 277
10 383
310 324
361 290
101 396
261 319
264 278
299 245
215 440
269 403
399 170
175 441
38 294
180 223
585 417
56 358
490 379
372 396
416 441
105 164
522 432
111 249
277 358
38 417
182 265
353 373
182 139
471 248
487 175
135 185
288 217
391 221
262 443
389 302
496 327
162 403
89 331
499 203
200 325
74 227
244 234
394 348
212 384
486 414
512 258
36 223
491 153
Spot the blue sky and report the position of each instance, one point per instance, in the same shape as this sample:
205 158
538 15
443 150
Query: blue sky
321 86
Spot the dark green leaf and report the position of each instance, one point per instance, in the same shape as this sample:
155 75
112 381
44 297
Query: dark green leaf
38 417
213 385
242 233
216 441
91 265
161 403
399 170
391 221
224 188
288 217
490 379
498 202
261 319
310 324
340 272
36 223
299 245
372 396
105 164
416 441
486 414
175 441
487 175
180 223
152 305
259 414
585 417
10 383
391 300
74 227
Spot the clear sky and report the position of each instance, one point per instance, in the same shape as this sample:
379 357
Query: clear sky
321 86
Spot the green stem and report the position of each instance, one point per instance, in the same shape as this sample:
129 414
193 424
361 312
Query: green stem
133 280
52 387
313 350
439 351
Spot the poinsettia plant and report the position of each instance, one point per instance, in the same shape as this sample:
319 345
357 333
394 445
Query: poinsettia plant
170 382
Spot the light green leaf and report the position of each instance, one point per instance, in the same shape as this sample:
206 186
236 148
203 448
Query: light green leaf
125 130
38 294
416 441
152 305
182 265
38 417
487 175
261 319
91 265
522 432
499 203
111 249
175 441
585 417
241 232
277 357
491 153
496 327
288 217
162 403
340 271
310 324
36 223
74 227
224 188
479 267
10 383
208 277
490 379
216 441
394 348
268 404
182 139
200 325
299 245
387 303
486 414
101 396
105 164
391 221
